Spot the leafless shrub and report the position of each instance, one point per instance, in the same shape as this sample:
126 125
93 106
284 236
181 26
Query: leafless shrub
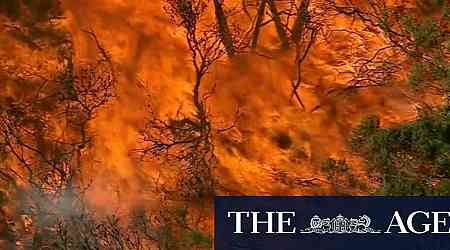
186 141
44 132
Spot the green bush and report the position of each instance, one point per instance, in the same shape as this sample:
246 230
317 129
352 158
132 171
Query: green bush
413 158
3 197
339 175
335 166
197 239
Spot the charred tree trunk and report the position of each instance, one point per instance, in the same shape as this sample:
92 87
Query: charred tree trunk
259 20
300 21
224 30
245 9
278 24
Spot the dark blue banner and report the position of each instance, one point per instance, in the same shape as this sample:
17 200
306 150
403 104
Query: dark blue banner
332 223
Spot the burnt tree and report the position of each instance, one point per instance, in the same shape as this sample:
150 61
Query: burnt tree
258 24
186 141
224 30
45 131
281 31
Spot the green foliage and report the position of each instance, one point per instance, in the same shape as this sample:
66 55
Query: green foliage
384 20
422 74
31 11
3 197
417 74
424 37
430 6
400 185
409 157
446 12
11 8
196 238
332 165
338 174
426 34
367 127
443 189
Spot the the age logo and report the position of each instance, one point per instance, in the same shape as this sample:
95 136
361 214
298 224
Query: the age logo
340 225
